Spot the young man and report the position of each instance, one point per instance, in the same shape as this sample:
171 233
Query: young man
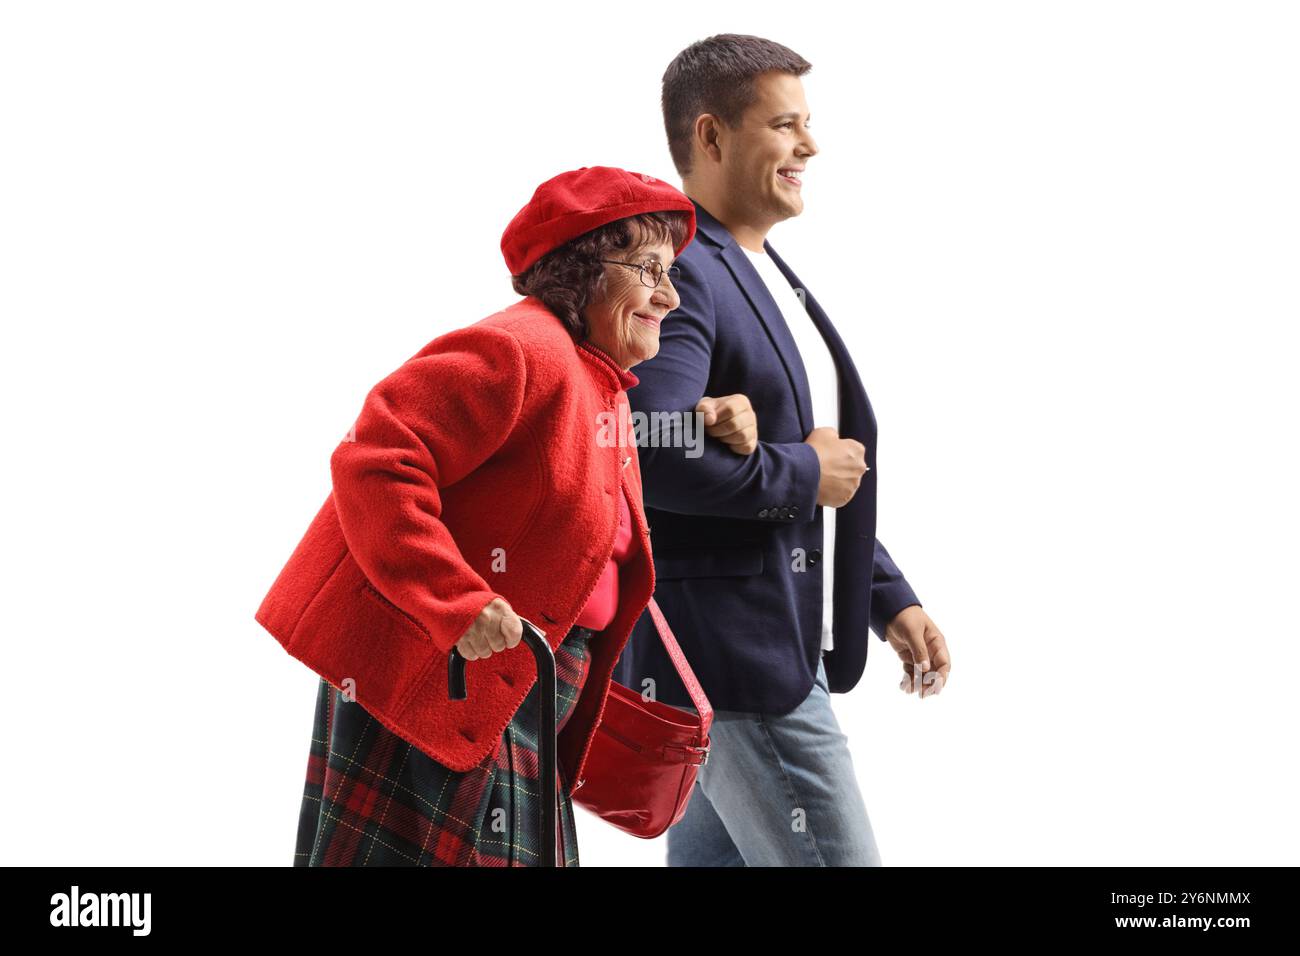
767 565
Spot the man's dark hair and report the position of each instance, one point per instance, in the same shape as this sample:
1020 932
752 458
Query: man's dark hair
717 76
570 277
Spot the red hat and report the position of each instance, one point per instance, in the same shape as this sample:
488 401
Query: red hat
570 204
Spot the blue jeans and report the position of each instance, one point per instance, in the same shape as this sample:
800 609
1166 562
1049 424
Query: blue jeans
776 791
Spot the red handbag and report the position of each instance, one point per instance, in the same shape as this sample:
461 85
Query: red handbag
641 766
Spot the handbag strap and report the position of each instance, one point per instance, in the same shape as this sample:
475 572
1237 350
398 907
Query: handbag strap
684 671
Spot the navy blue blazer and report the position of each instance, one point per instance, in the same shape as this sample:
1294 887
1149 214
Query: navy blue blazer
743 600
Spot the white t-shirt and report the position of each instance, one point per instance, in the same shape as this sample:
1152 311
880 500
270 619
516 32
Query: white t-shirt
823 382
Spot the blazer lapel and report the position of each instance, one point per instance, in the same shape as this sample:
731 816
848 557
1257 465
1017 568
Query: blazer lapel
755 290
857 418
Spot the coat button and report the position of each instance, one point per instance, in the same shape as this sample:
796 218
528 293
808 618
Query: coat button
763 513
785 512
794 512
814 556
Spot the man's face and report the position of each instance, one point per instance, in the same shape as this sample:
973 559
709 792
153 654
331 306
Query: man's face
763 158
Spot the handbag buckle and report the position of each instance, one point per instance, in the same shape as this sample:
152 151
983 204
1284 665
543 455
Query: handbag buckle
695 756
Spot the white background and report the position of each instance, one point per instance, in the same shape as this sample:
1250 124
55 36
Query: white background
1060 239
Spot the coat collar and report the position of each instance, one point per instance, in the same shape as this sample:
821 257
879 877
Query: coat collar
707 225
619 378
615 376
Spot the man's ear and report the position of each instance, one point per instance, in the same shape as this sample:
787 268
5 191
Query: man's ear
708 130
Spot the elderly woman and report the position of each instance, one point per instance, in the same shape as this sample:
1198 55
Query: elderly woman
479 487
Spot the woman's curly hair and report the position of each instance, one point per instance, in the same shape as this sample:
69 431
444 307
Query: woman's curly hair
570 277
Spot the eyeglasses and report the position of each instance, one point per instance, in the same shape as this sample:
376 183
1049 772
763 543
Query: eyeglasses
652 272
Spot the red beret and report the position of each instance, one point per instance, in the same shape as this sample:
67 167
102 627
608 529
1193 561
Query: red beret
570 204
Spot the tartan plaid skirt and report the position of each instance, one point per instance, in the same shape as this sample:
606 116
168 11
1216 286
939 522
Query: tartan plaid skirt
373 799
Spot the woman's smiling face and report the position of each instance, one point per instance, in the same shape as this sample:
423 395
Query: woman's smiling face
624 322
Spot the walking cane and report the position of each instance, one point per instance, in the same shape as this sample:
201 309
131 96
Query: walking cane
545 659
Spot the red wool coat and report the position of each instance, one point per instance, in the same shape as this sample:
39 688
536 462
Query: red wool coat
482 467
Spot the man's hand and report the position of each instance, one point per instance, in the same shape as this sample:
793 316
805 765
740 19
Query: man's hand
922 649
843 462
731 420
